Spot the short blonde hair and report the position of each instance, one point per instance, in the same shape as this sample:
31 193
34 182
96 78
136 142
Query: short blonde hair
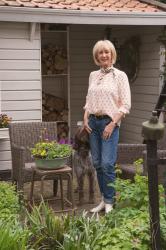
104 44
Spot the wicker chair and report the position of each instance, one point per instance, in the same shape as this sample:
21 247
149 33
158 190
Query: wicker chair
127 154
22 137
161 153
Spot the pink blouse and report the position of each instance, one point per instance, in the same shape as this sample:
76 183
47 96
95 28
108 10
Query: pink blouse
108 93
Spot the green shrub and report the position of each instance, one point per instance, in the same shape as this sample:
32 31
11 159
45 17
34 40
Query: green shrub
82 233
13 236
9 202
126 227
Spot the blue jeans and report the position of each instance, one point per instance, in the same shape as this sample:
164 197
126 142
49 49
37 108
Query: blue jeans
104 155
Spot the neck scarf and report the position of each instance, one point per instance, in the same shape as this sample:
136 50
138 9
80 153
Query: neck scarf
107 70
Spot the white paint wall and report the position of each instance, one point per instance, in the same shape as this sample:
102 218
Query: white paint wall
20 78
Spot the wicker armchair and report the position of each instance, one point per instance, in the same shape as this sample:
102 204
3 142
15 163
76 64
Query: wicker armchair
127 154
161 153
22 137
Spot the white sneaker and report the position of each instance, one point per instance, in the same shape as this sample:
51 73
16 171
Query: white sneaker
108 208
99 208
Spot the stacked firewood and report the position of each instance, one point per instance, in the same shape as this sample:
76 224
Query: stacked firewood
54 109
54 60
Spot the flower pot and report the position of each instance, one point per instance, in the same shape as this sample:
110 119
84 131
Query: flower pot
4 133
51 164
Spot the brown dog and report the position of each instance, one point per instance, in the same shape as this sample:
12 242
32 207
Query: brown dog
82 163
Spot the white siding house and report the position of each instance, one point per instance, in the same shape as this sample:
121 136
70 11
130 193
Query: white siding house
20 62
20 76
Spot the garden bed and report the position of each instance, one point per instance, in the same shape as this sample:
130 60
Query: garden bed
126 227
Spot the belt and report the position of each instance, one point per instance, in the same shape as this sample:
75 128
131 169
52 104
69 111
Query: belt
100 117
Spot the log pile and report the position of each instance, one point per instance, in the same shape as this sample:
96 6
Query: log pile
54 109
54 60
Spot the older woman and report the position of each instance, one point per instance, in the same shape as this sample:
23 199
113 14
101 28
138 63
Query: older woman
107 102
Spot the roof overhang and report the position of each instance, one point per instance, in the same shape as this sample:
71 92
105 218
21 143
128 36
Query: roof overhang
44 15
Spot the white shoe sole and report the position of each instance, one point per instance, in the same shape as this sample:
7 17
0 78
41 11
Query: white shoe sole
108 208
98 209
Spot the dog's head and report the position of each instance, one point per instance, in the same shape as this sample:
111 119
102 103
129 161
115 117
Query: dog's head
81 142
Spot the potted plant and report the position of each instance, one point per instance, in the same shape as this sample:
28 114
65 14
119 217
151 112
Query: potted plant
4 124
51 155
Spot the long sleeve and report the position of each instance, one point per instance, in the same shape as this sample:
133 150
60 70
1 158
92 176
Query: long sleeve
124 94
87 96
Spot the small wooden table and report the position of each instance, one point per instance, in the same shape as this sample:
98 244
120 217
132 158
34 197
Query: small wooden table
59 173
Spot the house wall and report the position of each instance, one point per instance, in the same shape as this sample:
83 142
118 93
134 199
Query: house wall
20 78
82 40
20 75
144 90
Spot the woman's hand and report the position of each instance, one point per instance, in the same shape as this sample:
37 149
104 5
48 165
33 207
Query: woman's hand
108 130
86 126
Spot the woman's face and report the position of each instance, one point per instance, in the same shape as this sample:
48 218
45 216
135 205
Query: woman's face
104 57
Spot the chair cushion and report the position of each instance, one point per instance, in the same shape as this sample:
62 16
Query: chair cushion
130 170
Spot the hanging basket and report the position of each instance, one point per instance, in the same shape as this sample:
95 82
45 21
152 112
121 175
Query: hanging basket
51 164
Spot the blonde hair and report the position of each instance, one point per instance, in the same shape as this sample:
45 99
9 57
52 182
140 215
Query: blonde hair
104 44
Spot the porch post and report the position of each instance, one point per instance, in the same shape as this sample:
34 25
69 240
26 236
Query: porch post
152 131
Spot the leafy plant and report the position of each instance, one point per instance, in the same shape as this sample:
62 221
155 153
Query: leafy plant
50 150
126 227
13 236
46 228
4 120
83 233
138 164
9 202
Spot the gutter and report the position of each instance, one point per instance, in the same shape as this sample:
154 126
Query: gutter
155 3
48 15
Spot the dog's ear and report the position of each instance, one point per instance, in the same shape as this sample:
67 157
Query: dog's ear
76 139
83 132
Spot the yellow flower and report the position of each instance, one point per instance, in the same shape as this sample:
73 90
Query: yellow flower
43 153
